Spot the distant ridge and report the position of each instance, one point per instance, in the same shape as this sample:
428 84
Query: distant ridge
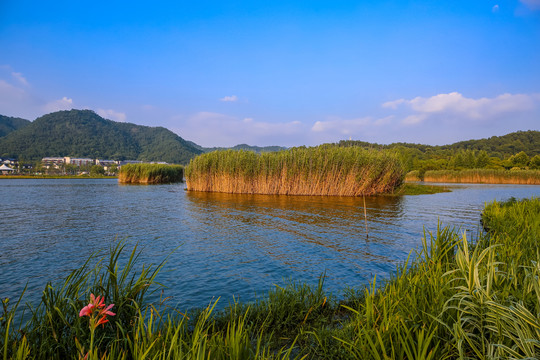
9 124
257 149
83 133
501 146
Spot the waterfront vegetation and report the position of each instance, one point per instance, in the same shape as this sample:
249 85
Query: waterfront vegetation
321 170
150 174
45 176
455 298
487 176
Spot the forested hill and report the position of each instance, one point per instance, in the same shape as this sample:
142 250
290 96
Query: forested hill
10 124
499 146
83 133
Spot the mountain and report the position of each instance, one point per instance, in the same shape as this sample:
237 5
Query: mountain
10 124
506 145
83 133
257 149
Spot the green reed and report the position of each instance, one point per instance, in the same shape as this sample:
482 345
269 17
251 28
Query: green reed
321 170
150 174
454 298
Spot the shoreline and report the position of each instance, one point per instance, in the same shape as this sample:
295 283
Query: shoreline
55 177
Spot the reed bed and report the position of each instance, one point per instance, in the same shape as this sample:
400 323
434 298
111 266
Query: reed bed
150 174
322 170
482 176
455 298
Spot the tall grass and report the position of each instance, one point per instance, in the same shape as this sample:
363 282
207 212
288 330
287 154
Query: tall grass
322 170
454 298
487 176
150 174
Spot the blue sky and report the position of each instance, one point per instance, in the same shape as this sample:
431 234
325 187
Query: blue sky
279 73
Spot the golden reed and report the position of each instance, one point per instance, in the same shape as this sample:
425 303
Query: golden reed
481 176
322 170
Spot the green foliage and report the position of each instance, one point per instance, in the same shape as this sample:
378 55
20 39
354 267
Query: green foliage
535 162
520 160
97 170
150 173
321 170
83 133
10 124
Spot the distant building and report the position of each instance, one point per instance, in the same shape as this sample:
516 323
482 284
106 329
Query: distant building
54 162
8 161
78 161
6 170
125 162
106 162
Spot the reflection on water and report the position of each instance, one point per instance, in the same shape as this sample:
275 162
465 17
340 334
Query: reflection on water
230 244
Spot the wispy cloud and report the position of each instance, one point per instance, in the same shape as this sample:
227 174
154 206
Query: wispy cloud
111 114
216 129
20 78
495 8
340 126
231 98
57 105
531 4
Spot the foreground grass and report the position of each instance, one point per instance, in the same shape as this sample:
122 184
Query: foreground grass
481 176
453 299
150 174
321 170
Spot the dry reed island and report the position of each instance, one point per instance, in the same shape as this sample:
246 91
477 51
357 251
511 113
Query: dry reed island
150 174
455 298
322 170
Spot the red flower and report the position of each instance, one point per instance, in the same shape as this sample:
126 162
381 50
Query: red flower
97 303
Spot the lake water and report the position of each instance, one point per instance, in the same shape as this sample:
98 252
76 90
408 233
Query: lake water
228 245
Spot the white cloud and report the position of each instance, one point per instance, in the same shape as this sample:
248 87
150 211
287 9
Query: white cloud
148 107
215 129
341 126
111 114
495 8
231 98
57 105
531 4
455 106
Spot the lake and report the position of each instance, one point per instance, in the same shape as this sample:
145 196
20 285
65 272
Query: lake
226 244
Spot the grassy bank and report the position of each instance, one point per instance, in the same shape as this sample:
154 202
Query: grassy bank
56 177
322 170
418 189
150 174
454 299
481 176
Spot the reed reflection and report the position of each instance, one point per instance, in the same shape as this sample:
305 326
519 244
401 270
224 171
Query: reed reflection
304 233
